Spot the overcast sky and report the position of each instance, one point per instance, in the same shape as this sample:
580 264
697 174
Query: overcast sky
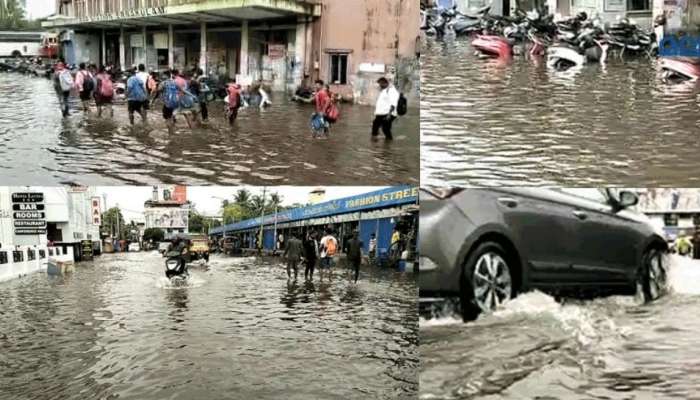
131 198
40 8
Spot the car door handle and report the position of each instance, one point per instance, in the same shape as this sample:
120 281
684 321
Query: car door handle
508 202
580 214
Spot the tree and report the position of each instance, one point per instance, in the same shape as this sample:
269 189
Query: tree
242 198
111 219
275 202
155 234
197 224
11 15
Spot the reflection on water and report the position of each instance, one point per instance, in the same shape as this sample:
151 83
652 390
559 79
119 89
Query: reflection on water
268 146
485 122
610 348
112 330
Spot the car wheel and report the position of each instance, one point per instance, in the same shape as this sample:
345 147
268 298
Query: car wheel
652 277
487 280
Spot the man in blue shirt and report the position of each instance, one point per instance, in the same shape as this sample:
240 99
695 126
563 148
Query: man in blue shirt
136 97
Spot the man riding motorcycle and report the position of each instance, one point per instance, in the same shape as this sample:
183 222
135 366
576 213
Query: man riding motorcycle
176 251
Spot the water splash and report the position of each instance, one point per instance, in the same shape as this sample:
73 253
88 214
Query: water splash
684 275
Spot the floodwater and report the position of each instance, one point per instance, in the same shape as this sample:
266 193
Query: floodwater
115 328
537 348
272 146
489 123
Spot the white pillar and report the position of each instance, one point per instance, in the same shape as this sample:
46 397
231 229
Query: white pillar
145 49
104 48
244 49
300 51
171 56
203 47
122 50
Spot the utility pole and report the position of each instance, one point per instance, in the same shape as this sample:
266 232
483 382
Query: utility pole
262 221
118 231
275 234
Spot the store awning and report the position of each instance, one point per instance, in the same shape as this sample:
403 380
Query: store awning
191 13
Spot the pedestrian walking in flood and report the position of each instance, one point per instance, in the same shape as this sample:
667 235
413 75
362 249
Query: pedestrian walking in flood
354 253
143 76
233 102
385 111
200 89
322 100
63 84
293 252
329 248
136 97
84 85
104 92
310 256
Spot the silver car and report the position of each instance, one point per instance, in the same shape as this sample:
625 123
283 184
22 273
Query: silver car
488 245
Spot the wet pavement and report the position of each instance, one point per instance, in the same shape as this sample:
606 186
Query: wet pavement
536 348
486 123
115 328
272 146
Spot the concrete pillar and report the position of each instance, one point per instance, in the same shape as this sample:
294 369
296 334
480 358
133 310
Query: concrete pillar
300 51
203 47
122 49
244 49
171 56
104 48
145 49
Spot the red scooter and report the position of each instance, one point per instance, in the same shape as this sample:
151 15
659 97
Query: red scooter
493 46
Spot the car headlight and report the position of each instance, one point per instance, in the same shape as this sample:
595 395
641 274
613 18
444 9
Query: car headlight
426 264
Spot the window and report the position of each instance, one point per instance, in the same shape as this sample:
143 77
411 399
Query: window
592 194
339 69
31 255
42 254
3 257
638 5
17 256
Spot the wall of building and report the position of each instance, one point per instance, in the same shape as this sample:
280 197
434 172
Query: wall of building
379 35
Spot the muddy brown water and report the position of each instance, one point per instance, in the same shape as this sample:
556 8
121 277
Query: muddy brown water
518 123
272 146
115 328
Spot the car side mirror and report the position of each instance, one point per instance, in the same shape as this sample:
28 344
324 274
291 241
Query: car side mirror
627 199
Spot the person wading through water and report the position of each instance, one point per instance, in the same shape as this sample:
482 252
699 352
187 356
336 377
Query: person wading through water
293 252
385 111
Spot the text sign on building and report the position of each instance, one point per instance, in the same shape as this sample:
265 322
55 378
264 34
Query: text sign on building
30 197
130 13
28 215
276 51
95 213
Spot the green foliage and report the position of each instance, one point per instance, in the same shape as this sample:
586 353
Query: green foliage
198 223
12 16
155 234
246 206
111 219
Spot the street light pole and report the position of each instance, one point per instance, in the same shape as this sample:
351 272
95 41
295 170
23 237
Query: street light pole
262 221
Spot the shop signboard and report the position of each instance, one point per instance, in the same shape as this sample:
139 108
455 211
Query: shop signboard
95 215
275 51
86 250
394 196
28 213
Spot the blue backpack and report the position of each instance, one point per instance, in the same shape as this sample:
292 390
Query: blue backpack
135 89
170 94
188 99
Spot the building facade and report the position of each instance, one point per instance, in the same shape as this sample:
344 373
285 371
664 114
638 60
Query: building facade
284 43
370 213
168 210
40 222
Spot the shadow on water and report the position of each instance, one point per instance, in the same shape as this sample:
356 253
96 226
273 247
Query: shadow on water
535 347
518 123
272 146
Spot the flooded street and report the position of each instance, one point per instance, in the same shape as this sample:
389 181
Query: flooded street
272 146
485 123
609 348
115 329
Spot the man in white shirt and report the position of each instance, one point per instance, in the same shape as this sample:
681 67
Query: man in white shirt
385 110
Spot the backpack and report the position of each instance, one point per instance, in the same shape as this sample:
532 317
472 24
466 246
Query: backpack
88 82
402 106
66 80
106 88
170 94
188 99
330 247
135 89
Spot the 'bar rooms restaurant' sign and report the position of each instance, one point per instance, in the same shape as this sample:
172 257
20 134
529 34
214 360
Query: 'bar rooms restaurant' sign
28 213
